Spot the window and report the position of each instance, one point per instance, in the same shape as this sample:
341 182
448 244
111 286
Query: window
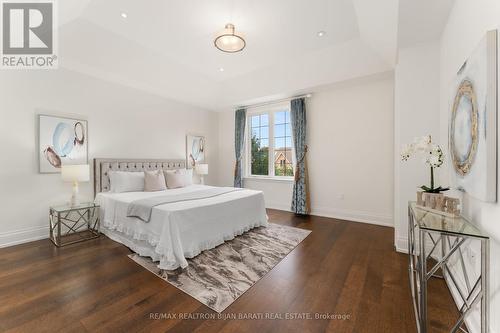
260 145
269 146
283 165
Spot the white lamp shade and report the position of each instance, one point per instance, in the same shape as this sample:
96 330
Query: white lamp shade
201 169
75 173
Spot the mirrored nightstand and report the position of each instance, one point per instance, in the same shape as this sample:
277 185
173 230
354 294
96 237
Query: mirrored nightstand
72 224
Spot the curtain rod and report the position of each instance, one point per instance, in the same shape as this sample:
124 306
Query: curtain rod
273 102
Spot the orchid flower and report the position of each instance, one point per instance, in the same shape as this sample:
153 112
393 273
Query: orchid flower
433 156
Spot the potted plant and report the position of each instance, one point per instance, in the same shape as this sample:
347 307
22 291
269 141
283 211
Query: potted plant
433 157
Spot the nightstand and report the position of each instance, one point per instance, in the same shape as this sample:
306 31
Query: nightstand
72 224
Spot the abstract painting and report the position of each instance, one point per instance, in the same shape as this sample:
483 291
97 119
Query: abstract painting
473 124
61 141
195 150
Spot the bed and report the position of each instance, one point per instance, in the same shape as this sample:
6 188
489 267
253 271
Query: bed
176 230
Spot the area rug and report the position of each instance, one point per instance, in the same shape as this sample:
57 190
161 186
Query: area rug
217 277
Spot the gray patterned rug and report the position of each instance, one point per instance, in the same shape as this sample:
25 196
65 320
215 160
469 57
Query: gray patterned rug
217 277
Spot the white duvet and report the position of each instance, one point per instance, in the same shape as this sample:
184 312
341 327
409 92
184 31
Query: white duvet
181 230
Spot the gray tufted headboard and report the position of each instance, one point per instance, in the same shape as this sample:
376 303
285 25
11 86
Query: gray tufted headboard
103 165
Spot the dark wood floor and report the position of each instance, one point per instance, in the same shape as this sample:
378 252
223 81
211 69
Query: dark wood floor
342 268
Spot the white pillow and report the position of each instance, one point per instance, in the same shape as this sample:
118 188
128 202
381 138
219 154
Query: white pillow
126 181
179 178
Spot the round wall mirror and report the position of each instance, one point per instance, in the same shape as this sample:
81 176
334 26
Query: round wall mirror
464 128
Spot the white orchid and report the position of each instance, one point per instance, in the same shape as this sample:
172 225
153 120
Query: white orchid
406 152
436 157
433 156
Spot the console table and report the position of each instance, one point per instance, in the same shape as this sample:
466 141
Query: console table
439 237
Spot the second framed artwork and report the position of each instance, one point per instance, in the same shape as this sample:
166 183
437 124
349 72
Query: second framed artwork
61 141
195 150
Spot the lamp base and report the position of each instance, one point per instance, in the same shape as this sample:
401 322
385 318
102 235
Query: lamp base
74 197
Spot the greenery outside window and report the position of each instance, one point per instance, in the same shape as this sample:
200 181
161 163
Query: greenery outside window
269 143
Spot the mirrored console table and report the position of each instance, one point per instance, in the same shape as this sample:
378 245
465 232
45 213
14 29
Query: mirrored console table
433 240
72 224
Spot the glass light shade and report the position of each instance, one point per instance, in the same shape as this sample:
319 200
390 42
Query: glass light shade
75 173
229 41
201 169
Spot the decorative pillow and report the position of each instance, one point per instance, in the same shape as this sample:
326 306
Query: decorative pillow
126 181
154 181
179 178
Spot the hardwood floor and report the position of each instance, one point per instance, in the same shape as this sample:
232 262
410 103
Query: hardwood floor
342 268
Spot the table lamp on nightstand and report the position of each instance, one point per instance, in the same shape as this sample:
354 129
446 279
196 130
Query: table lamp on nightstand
201 169
75 174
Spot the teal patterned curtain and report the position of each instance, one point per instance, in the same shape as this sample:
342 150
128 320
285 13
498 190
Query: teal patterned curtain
300 199
239 142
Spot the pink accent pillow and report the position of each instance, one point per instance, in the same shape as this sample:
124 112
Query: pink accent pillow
179 178
154 181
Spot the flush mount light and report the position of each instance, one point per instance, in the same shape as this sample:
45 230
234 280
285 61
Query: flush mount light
221 69
229 41
124 15
321 33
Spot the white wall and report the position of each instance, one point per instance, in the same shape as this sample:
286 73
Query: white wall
467 25
416 113
350 138
123 122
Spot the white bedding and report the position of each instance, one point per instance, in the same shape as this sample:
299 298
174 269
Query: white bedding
181 230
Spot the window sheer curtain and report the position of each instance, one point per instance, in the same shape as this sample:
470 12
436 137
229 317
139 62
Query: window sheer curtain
239 142
300 198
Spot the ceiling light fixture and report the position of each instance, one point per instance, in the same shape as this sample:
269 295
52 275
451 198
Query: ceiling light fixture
124 15
229 41
221 69
321 33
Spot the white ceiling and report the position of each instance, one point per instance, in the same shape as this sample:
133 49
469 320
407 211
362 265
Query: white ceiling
422 21
166 47
184 30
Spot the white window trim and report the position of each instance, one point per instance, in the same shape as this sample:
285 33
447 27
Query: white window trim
268 109
279 179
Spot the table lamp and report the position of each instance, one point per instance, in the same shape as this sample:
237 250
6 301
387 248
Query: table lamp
75 174
201 169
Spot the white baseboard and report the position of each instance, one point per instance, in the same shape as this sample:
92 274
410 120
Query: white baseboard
355 216
278 206
402 244
23 236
